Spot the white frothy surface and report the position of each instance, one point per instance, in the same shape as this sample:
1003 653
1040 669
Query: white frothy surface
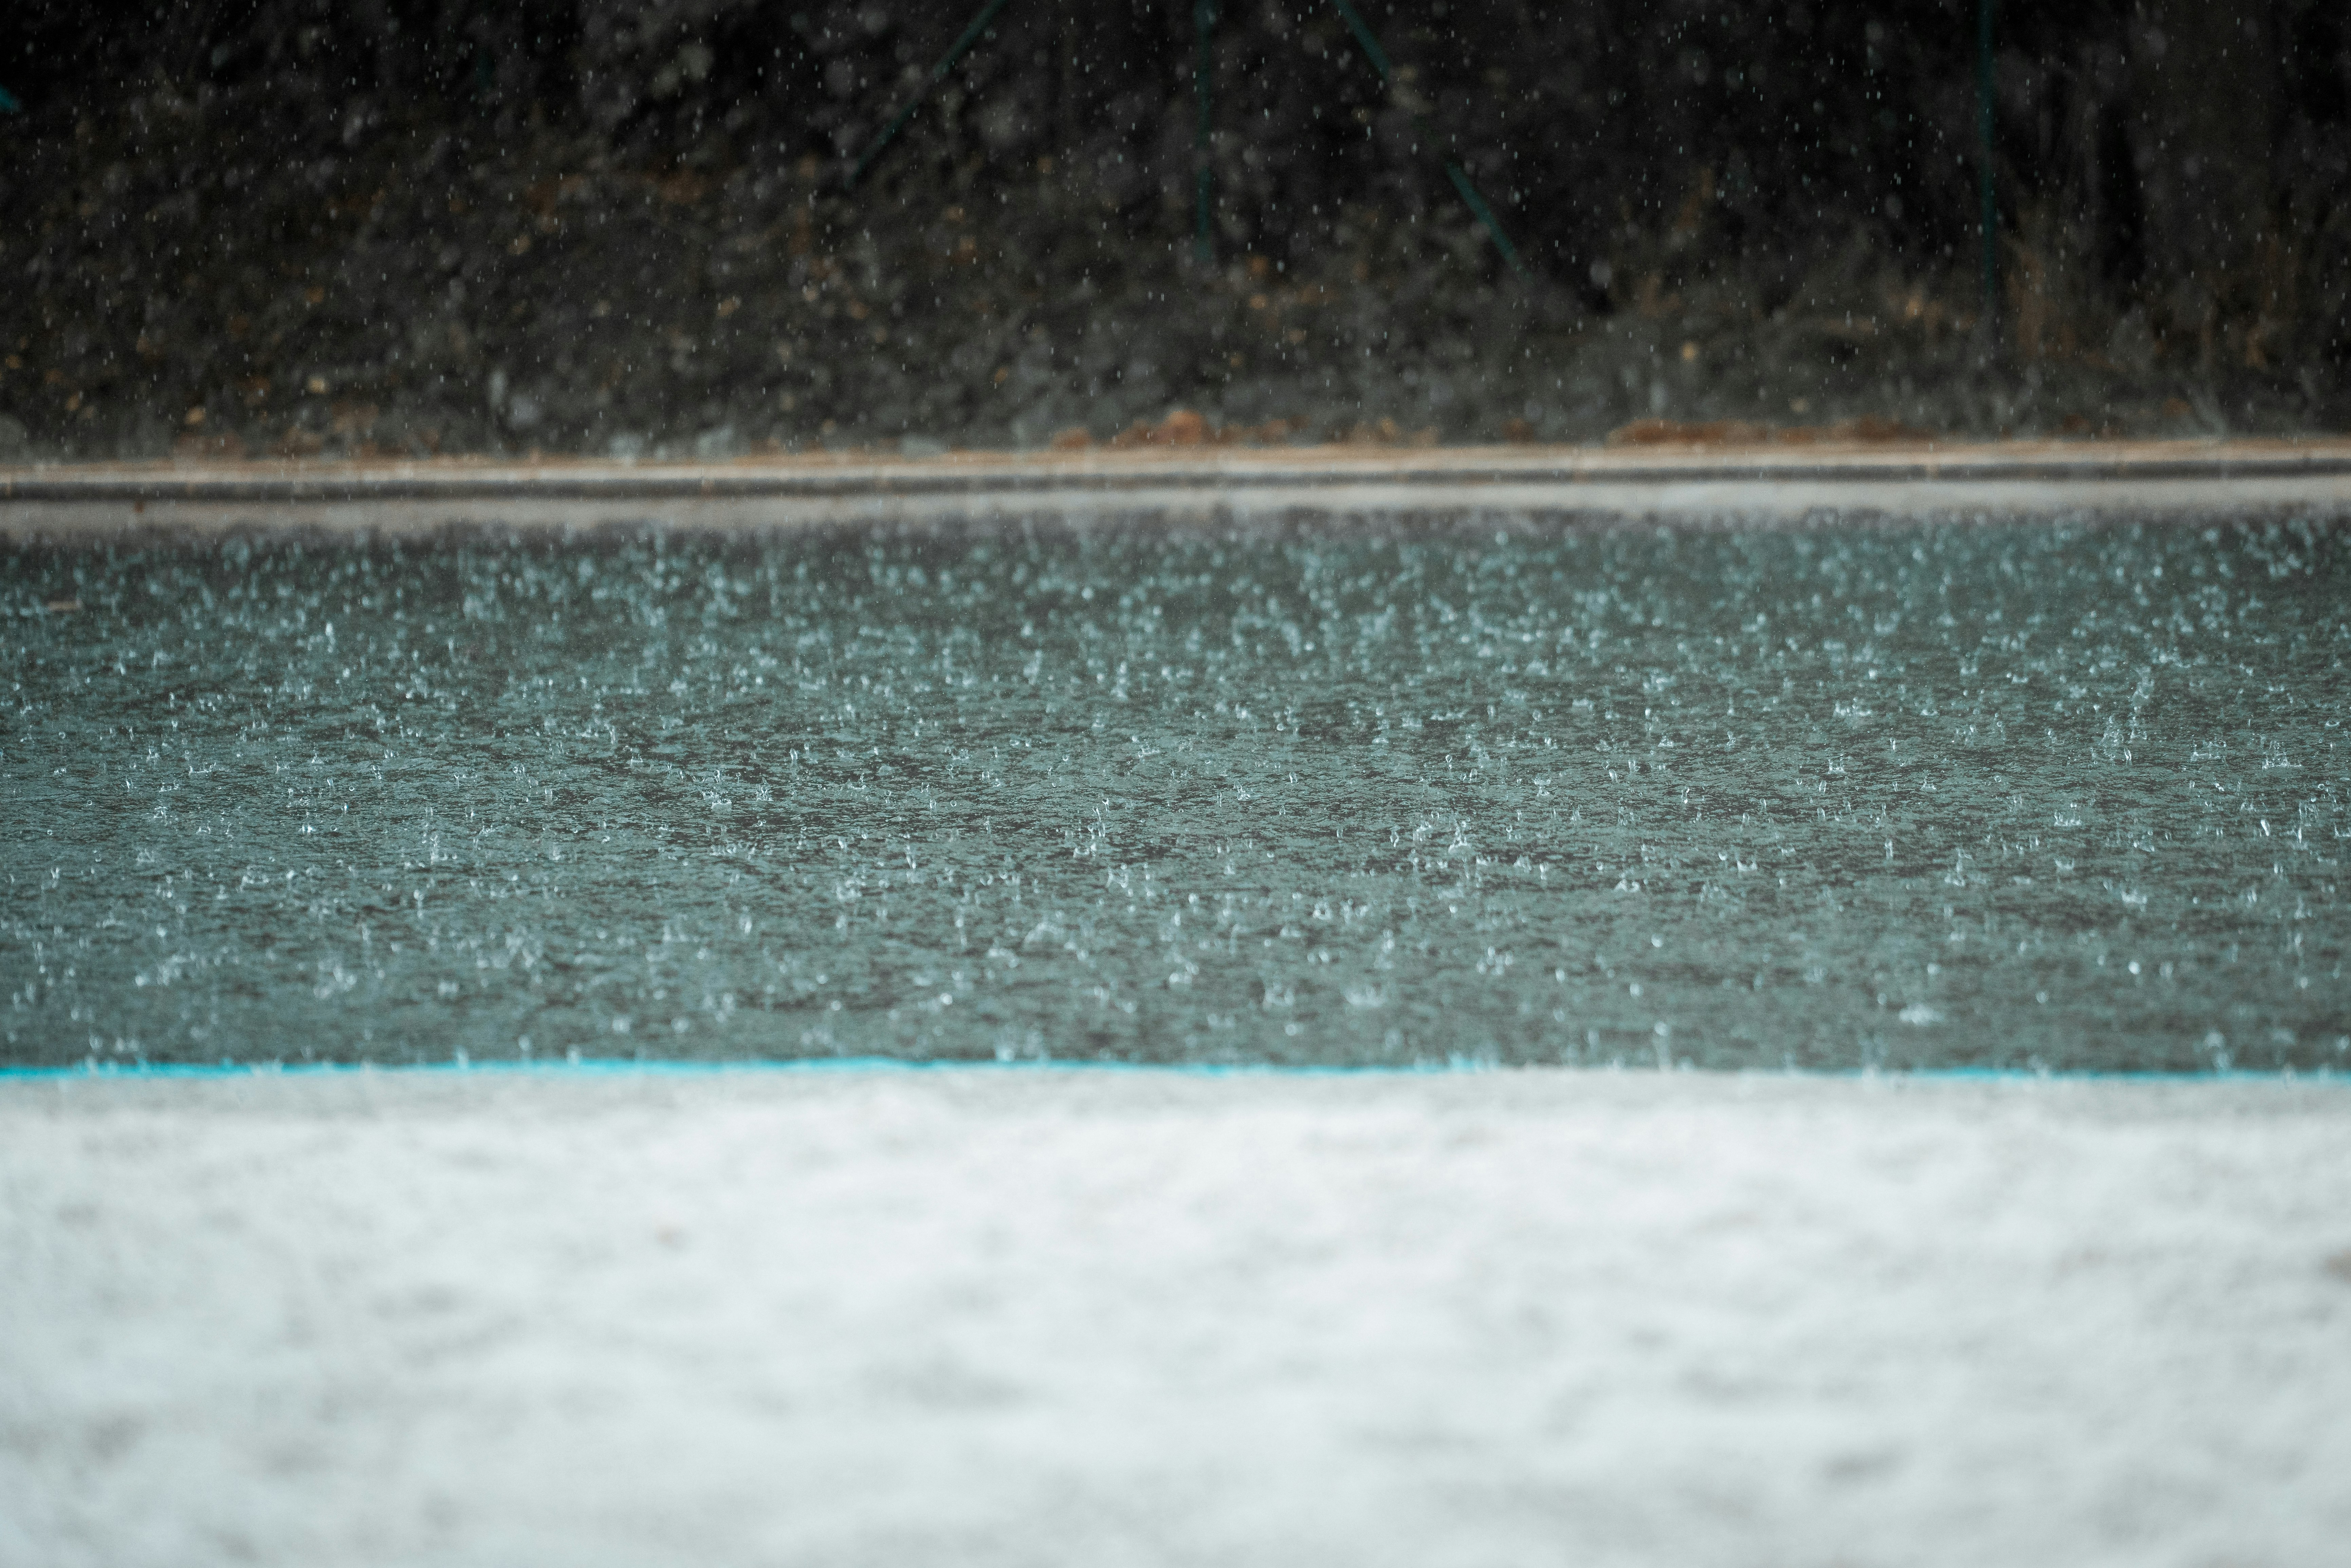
978 1317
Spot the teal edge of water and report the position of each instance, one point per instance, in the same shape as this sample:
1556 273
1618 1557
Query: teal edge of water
591 1067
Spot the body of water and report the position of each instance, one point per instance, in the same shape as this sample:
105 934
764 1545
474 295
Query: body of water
1863 793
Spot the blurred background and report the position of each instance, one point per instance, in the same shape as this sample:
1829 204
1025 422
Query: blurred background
390 227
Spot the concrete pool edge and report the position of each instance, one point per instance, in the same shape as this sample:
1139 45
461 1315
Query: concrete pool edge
79 502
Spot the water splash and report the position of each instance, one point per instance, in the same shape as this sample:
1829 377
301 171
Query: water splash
1885 795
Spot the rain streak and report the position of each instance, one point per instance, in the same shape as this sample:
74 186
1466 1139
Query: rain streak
1899 795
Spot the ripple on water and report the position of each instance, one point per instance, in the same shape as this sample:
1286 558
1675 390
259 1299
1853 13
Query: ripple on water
1903 795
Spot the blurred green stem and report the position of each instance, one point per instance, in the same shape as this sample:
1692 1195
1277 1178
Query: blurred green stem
1369 44
971 35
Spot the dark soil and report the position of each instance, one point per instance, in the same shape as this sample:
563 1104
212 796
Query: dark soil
263 266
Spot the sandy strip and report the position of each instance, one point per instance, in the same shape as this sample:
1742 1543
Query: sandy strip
978 1317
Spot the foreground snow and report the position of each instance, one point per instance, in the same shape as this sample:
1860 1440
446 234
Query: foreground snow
1019 1318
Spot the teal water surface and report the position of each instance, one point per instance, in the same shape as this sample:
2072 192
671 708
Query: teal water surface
1861 793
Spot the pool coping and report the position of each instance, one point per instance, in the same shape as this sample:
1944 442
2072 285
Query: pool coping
969 472
78 501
